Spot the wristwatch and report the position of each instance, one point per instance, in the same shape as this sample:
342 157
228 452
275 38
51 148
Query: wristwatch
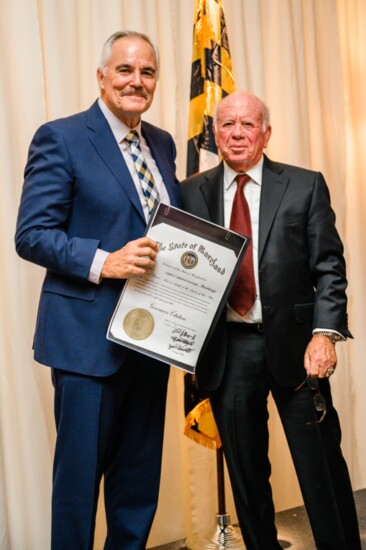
333 336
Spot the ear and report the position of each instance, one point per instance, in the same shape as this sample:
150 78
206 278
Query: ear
267 136
215 135
100 78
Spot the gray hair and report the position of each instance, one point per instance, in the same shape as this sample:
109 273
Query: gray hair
107 47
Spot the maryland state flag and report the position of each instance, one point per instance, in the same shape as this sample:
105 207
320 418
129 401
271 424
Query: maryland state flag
212 79
199 425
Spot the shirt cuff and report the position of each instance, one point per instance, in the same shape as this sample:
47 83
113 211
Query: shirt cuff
97 266
343 338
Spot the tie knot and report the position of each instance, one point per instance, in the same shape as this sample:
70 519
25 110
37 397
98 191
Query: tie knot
132 137
241 180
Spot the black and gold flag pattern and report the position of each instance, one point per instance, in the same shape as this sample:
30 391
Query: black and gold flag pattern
211 80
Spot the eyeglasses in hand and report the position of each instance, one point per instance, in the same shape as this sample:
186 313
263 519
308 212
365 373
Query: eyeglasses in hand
318 399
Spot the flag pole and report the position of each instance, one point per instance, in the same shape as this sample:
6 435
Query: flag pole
224 535
221 503
200 426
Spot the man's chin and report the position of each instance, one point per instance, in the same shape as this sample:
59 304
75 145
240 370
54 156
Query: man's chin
238 163
131 103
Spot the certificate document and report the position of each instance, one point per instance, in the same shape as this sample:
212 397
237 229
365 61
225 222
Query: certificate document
170 313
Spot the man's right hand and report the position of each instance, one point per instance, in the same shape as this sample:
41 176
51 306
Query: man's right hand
135 258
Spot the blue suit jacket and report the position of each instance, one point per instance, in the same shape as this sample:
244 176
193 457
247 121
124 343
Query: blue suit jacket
78 196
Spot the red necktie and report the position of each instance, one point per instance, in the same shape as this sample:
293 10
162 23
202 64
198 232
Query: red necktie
243 293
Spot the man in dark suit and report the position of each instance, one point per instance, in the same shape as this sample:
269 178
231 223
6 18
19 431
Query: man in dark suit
82 216
283 340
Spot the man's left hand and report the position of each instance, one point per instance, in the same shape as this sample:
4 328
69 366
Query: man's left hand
320 356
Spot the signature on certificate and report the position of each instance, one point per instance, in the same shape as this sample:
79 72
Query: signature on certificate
182 339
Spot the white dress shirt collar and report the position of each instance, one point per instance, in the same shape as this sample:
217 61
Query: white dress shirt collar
119 128
255 174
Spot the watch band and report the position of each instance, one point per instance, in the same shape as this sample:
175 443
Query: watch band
333 336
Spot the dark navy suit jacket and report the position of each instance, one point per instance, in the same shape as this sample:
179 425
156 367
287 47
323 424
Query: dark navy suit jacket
302 273
78 196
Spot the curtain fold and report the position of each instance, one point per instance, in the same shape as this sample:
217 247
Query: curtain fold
306 59
352 18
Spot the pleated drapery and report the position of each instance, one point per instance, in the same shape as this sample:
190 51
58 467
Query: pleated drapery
306 59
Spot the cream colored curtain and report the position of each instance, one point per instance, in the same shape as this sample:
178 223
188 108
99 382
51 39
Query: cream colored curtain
352 18
306 58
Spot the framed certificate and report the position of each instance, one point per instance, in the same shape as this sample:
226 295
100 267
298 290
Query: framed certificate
170 313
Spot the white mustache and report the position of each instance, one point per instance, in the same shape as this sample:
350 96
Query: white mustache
140 93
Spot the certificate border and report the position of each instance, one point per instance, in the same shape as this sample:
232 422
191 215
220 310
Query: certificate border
171 215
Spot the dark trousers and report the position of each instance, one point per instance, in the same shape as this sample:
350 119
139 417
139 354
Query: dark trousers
111 427
240 409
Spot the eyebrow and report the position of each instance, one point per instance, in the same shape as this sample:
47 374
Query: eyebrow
128 66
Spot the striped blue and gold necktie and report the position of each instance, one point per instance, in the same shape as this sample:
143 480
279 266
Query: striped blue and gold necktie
146 178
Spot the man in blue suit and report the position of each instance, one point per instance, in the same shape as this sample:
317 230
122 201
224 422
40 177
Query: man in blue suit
82 216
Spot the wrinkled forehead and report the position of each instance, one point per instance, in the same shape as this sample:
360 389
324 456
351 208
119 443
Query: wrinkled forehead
240 107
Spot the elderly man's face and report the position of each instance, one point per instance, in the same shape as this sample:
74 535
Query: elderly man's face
129 80
239 131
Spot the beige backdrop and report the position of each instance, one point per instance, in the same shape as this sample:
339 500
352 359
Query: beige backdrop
306 59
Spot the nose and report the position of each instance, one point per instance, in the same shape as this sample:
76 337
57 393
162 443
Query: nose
237 130
136 78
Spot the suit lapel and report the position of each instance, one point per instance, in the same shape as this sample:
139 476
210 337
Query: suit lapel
213 194
274 186
104 142
163 162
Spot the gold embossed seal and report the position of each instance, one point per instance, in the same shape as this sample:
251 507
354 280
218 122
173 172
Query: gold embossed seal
189 259
138 324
